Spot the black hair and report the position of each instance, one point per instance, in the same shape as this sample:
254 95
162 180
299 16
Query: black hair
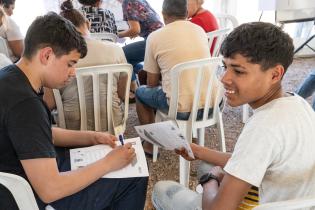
7 3
261 43
52 30
74 15
88 2
175 8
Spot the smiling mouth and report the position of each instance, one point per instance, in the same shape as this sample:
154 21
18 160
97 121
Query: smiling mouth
230 91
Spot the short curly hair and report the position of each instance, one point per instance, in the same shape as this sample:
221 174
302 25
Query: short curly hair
88 2
261 43
56 32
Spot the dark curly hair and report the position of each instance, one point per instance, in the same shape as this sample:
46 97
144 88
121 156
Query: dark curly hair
88 2
74 15
7 3
53 31
261 43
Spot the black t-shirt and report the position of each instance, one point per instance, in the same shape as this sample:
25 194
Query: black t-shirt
25 122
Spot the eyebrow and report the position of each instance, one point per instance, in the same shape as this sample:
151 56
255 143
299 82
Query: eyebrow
235 65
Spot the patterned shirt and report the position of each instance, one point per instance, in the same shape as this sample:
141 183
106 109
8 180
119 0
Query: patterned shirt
102 20
141 11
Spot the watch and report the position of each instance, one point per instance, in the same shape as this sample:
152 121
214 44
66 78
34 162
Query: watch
207 177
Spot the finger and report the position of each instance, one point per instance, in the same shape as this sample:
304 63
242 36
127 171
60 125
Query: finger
128 145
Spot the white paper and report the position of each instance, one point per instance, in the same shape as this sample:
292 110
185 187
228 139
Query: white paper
164 134
81 157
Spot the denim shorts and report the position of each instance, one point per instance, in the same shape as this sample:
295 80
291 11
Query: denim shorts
155 98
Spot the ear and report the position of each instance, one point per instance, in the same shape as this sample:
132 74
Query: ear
45 54
277 73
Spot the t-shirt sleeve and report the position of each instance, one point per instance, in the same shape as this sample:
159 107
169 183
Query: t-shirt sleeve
13 31
256 149
134 10
150 61
30 130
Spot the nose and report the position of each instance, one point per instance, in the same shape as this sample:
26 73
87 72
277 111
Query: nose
226 77
72 72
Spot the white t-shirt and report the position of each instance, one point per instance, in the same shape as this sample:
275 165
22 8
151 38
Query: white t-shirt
10 31
276 150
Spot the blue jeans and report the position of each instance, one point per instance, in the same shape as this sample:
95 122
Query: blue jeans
155 98
134 53
308 87
104 194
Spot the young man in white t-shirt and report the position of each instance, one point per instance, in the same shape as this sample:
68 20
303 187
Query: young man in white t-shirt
275 149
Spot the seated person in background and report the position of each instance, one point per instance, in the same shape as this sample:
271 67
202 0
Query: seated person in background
307 88
99 53
8 6
177 42
4 60
10 31
102 20
27 138
142 20
275 149
202 17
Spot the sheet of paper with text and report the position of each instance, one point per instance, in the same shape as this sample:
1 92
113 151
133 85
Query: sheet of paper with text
81 157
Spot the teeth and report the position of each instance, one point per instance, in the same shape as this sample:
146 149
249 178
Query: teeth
230 91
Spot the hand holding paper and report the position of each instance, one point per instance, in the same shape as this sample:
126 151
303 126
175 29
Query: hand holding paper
166 135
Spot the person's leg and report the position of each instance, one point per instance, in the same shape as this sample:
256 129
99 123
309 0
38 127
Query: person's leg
127 193
134 52
172 195
307 88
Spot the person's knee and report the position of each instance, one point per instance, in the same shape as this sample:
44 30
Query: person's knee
166 189
139 91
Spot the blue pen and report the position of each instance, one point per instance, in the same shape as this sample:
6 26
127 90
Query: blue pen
121 139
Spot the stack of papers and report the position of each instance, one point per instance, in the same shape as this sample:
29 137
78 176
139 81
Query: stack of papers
164 134
81 157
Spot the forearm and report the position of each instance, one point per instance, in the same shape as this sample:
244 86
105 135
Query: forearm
212 156
69 138
52 185
68 183
128 33
17 47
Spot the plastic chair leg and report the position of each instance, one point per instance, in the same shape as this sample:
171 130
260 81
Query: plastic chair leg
220 129
201 136
155 152
184 169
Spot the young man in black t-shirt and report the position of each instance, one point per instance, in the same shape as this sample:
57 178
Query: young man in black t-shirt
27 140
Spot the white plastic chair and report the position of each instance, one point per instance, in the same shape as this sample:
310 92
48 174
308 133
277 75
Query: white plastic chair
95 72
104 36
218 36
187 126
21 191
288 205
3 47
226 21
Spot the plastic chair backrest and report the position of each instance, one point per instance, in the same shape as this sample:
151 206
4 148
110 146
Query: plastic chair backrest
199 66
226 21
105 36
216 38
301 203
95 72
21 191
3 47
